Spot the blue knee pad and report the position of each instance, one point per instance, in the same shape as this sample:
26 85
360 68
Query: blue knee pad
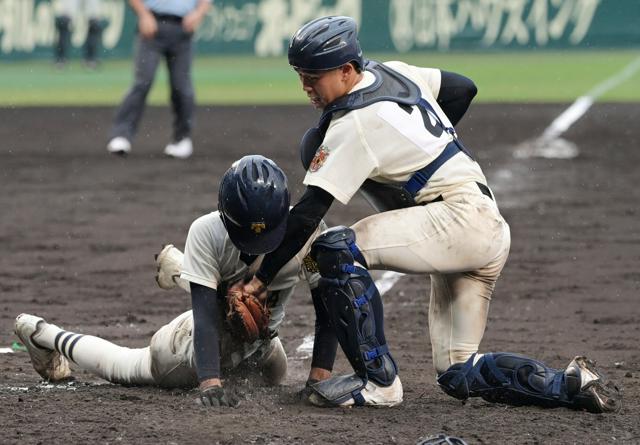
354 305
510 378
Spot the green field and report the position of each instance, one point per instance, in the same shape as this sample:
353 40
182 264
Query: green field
501 77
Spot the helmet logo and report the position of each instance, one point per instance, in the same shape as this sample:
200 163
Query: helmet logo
319 158
258 227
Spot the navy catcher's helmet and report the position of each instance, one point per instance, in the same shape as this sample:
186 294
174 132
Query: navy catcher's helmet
325 43
253 201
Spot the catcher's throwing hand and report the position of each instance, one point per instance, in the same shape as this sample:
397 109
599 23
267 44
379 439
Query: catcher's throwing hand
216 396
256 288
248 316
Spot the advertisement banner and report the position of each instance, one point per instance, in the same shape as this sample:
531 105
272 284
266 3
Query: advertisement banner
263 27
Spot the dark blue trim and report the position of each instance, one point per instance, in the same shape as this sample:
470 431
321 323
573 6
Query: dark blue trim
72 345
420 178
57 339
64 342
355 251
366 297
376 352
358 398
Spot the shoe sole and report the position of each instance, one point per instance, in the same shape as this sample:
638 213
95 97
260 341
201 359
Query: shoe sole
605 395
321 402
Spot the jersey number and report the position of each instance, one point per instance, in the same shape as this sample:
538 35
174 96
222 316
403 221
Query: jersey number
429 114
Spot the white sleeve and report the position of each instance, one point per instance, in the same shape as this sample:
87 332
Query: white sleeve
201 260
432 77
343 161
428 79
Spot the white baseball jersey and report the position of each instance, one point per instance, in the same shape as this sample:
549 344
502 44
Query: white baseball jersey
461 241
211 258
384 143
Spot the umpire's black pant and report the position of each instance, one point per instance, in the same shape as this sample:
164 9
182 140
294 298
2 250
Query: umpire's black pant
175 45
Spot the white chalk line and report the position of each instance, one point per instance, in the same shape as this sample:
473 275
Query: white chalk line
550 144
384 284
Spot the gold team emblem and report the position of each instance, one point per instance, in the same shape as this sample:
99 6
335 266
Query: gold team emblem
310 264
319 159
258 227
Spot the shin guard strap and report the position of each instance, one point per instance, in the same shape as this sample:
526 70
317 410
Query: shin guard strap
357 254
358 398
376 352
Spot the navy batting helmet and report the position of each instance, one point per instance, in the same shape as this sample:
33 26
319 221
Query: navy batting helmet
253 201
325 43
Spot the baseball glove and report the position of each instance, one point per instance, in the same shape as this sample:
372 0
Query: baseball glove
247 317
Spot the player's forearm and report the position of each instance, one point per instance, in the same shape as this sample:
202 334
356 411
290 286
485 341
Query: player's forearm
303 220
205 332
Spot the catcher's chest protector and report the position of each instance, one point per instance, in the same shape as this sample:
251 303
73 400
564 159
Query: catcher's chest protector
388 85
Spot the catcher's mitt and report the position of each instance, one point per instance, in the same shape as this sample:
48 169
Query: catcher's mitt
248 317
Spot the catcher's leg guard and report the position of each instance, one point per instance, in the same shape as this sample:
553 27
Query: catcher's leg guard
355 309
61 48
518 380
92 44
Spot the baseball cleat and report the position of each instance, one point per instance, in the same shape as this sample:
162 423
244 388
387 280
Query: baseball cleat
169 263
49 364
597 393
180 150
119 146
373 394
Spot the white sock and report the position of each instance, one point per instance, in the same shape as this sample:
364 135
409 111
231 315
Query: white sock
111 362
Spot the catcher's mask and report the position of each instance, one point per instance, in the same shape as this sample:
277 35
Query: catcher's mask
326 43
253 201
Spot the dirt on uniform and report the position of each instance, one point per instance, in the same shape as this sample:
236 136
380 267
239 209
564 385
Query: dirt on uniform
79 229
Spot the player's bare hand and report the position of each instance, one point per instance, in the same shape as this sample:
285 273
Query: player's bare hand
257 288
217 396
147 25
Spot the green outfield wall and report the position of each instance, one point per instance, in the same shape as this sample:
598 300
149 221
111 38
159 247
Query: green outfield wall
263 27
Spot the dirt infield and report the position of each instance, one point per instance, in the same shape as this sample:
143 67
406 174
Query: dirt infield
79 229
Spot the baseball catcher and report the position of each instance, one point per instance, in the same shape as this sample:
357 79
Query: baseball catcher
387 130
225 328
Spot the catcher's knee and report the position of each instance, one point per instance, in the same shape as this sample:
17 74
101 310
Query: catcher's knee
335 248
